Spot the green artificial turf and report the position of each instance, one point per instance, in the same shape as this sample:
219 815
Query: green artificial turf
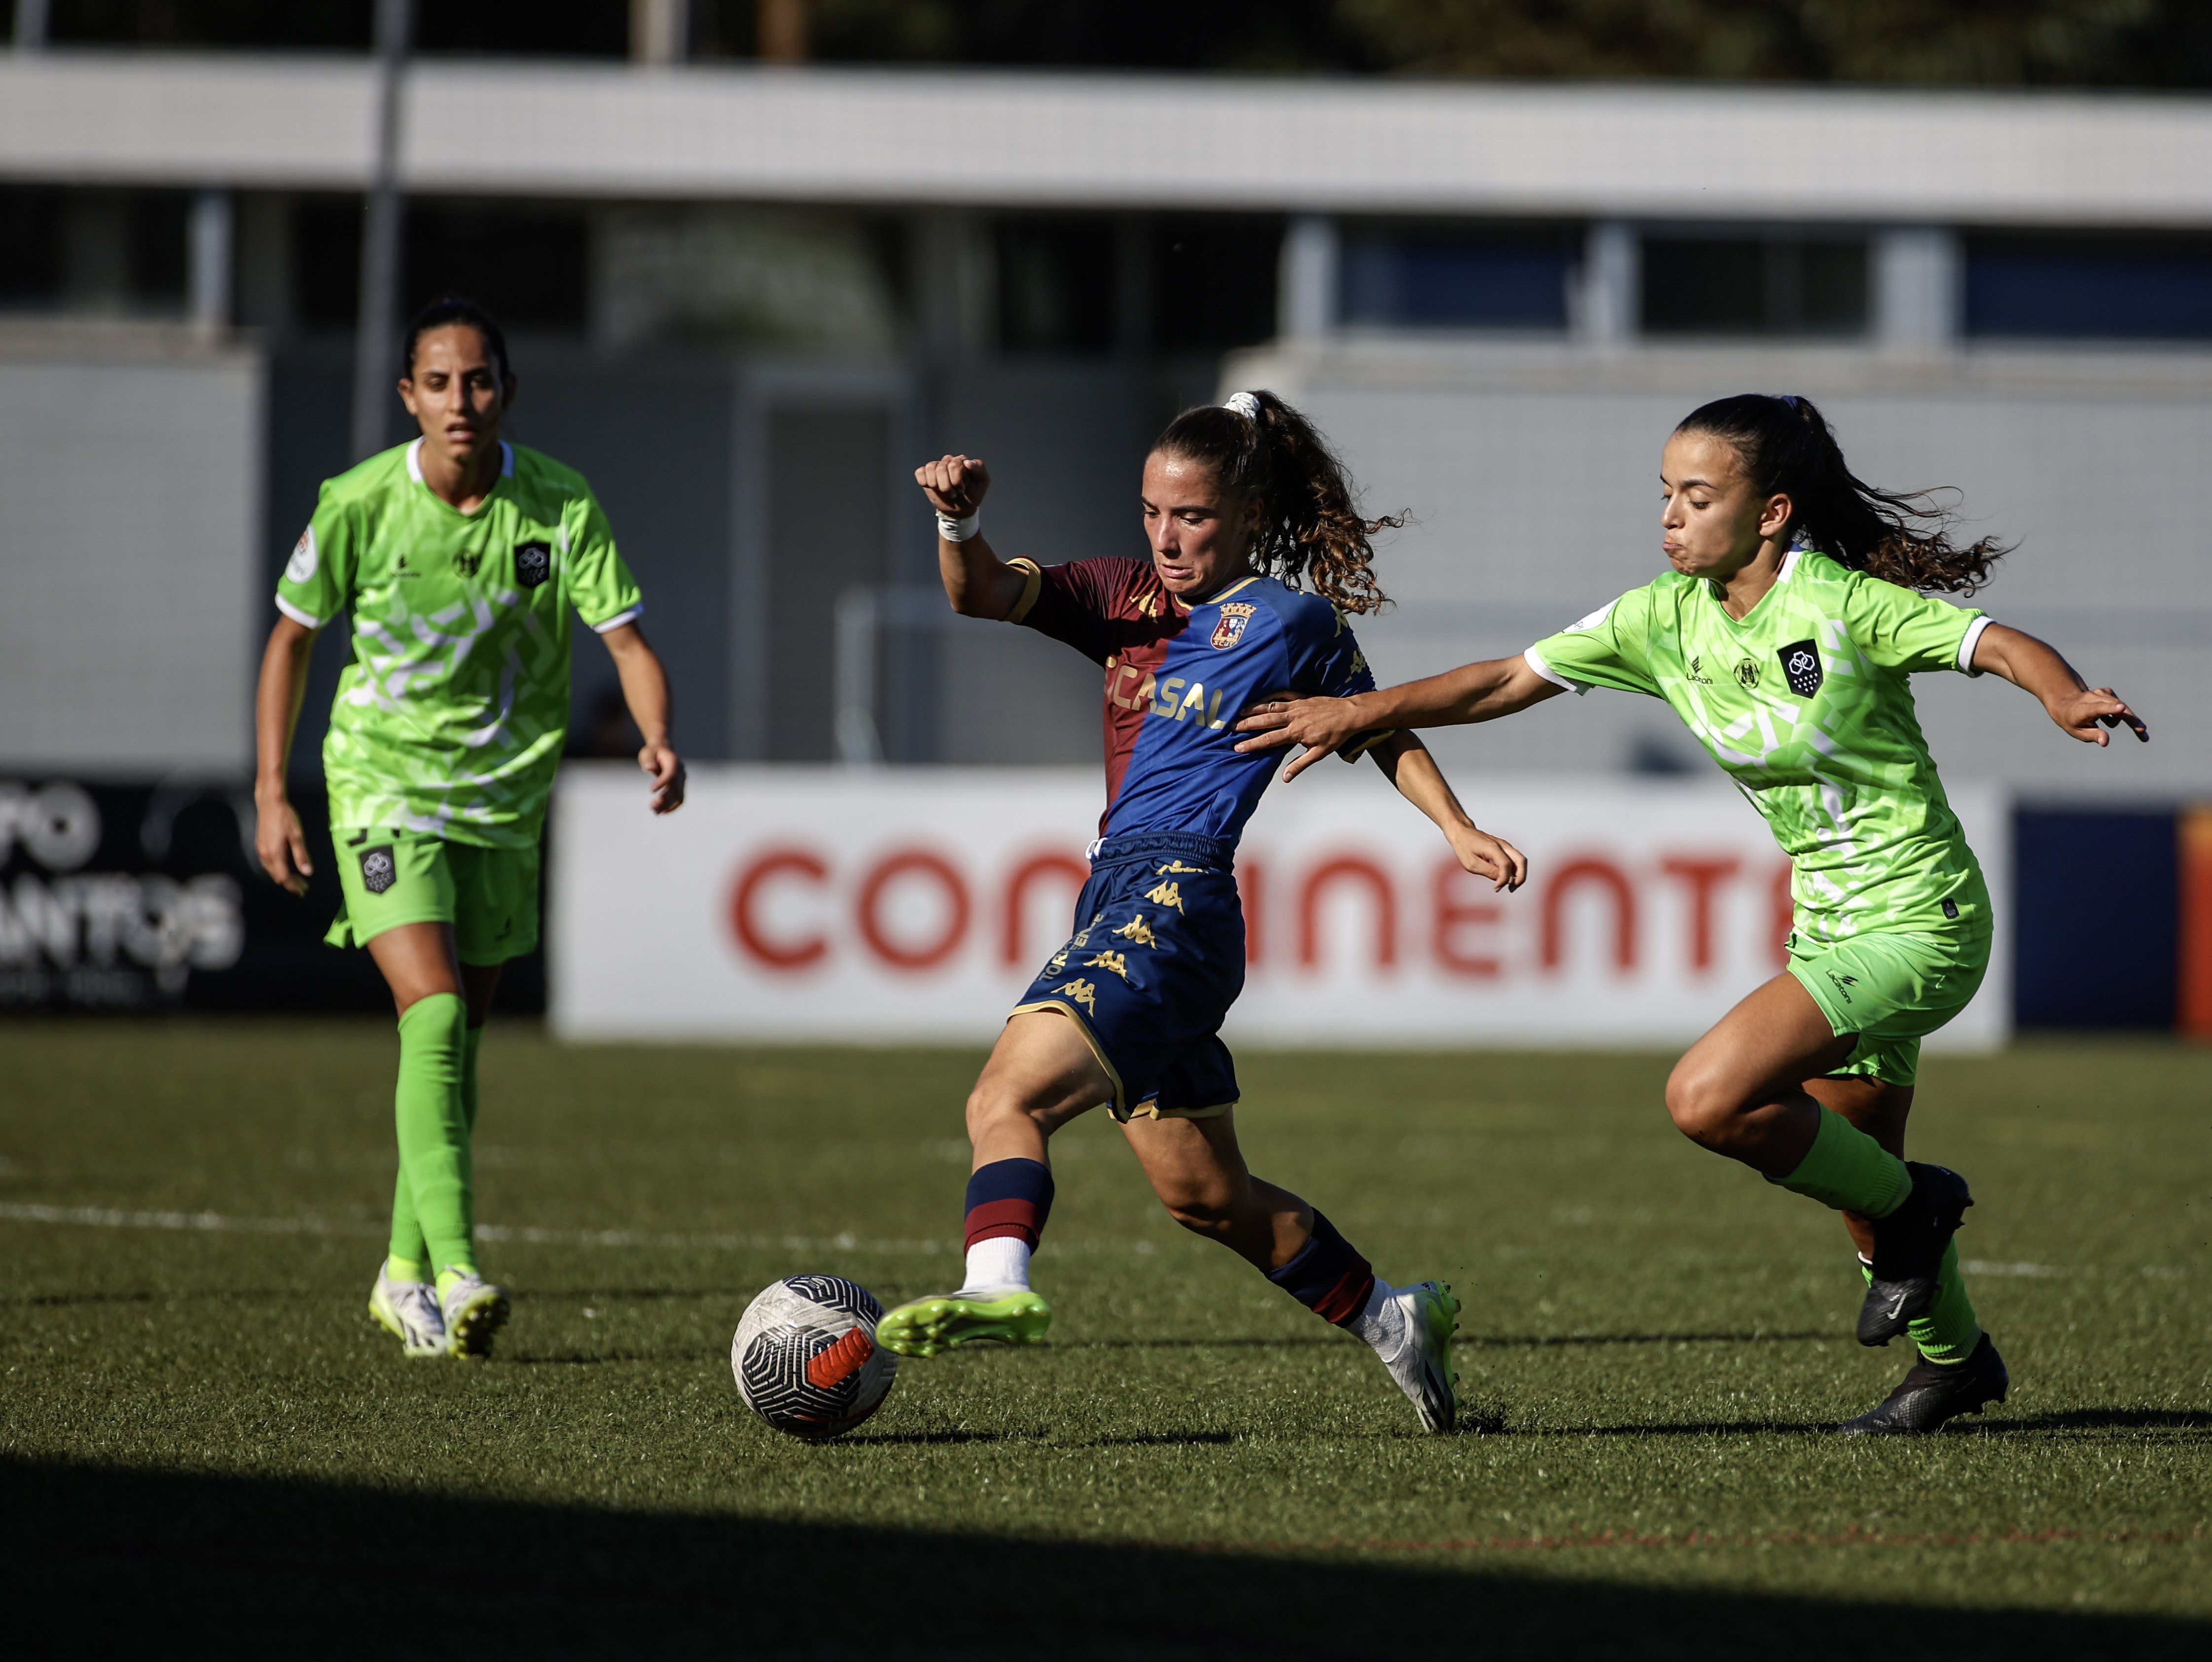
203 1419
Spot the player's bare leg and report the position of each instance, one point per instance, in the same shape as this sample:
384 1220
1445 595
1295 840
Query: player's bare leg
1198 1171
1041 1073
1757 1088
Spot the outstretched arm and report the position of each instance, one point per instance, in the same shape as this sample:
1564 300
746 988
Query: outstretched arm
977 581
1405 762
2082 711
1472 692
278 842
645 690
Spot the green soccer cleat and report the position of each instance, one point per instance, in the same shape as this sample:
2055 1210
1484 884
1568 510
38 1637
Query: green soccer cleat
945 1321
1421 1364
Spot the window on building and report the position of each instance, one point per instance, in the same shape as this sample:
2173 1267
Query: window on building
526 266
2089 288
1436 277
1755 285
326 261
109 252
30 248
1213 280
1055 283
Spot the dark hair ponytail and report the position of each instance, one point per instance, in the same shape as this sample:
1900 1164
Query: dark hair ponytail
445 312
1310 528
1787 447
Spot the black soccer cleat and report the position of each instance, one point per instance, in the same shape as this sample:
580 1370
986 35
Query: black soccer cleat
1908 1252
1934 1392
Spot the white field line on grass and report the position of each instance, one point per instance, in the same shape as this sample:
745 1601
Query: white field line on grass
102 1217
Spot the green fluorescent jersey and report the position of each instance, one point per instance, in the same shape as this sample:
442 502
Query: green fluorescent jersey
449 720
1805 704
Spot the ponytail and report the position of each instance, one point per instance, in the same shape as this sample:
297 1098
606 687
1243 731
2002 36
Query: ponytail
1311 528
1787 447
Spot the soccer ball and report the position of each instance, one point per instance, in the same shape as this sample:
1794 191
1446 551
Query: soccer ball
806 1356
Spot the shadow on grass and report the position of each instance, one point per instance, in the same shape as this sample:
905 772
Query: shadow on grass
2109 1419
250 1567
1476 1340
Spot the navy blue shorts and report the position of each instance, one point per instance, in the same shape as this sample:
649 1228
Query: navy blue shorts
1157 960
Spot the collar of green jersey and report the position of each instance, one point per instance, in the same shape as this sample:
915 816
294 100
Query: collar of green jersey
415 472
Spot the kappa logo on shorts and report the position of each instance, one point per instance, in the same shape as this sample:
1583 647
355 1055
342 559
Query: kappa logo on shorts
1801 667
533 563
1235 614
1138 930
1951 910
379 871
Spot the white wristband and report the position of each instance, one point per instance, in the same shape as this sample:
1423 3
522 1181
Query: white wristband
959 531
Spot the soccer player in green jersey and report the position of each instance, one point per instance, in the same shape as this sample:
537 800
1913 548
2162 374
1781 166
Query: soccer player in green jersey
455 560
1783 636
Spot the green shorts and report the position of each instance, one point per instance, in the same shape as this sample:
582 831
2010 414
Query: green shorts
1891 990
387 878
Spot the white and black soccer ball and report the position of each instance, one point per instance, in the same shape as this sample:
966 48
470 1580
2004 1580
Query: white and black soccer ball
806 1358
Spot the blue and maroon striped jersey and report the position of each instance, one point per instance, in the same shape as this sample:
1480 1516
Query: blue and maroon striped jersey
1178 676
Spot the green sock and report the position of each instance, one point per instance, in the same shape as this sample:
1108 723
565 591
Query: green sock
434 1131
398 1268
1950 1331
408 1246
1847 1169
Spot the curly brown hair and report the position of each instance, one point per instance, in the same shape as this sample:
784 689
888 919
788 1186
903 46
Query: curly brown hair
1787 446
1311 531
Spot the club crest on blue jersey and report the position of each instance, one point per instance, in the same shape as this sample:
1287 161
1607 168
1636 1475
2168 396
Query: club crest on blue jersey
1235 614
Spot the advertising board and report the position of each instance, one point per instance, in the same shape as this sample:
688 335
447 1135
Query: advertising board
903 905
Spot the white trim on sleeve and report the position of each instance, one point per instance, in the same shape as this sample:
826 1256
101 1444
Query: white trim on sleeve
1535 660
620 618
1972 638
305 619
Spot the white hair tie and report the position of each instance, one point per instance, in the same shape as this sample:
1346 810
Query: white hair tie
1246 405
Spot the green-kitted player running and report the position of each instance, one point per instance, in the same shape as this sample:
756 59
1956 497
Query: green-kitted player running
455 559
1783 637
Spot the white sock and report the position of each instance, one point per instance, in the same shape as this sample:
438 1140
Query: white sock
1383 1322
1001 1261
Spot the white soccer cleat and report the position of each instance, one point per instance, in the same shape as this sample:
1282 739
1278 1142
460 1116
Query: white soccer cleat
409 1311
474 1310
1420 1360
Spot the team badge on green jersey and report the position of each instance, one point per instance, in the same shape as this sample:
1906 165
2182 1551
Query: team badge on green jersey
533 563
1801 667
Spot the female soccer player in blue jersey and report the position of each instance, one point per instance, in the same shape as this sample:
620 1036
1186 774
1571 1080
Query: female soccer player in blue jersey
455 560
1244 506
1782 635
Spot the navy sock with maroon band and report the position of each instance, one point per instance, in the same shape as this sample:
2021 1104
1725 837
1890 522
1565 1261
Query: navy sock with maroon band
1011 1197
1328 1277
